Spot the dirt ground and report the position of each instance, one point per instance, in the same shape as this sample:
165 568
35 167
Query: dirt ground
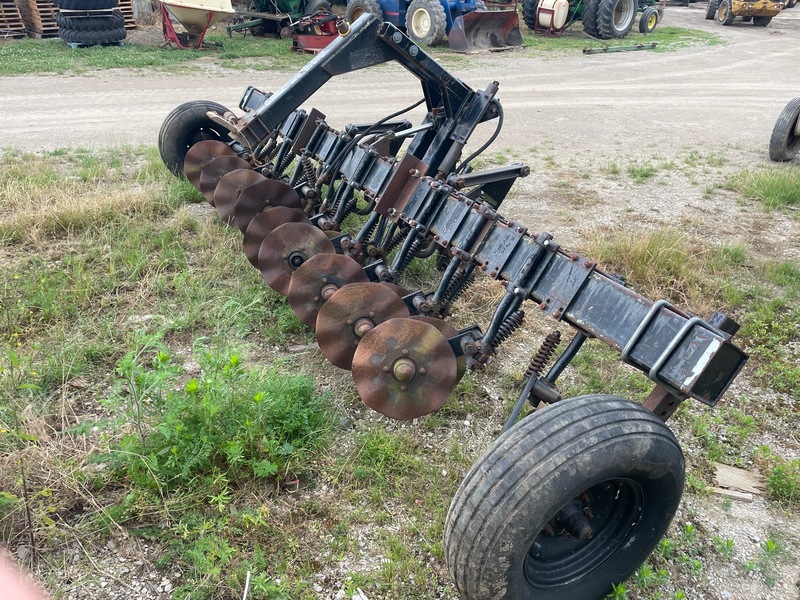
567 116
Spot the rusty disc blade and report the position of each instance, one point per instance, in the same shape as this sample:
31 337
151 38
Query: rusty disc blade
318 279
397 289
199 155
257 197
404 368
448 331
349 314
215 170
286 248
230 186
263 223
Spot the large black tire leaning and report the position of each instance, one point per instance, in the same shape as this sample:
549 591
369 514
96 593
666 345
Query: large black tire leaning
725 13
184 127
784 145
529 9
615 18
356 8
92 37
761 21
589 17
604 450
86 4
426 22
112 21
711 9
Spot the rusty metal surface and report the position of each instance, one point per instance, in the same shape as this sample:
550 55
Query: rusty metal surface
263 223
448 331
230 186
404 368
318 279
350 313
287 247
215 170
255 198
199 155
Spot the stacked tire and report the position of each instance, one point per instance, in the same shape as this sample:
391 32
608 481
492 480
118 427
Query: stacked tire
90 22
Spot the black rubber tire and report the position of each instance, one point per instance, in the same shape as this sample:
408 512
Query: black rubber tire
746 19
789 4
312 6
356 8
711 9
112 21
761 21
615 18
784 144
589 17
725 13
626 461
426 22
86 4
185 126
93 38
529 8
648 20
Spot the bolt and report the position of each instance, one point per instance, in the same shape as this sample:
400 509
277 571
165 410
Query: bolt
404 369
349 321
386 369
405 352
315 298
423 370
392 212
328 290
543 305
414 173
587 264
573 256
371 313
362 326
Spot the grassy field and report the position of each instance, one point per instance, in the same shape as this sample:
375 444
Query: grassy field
160 404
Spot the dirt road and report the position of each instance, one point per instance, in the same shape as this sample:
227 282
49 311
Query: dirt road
722 95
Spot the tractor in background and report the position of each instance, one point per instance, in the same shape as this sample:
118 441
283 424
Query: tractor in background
760 12
277 17
602 19
467 25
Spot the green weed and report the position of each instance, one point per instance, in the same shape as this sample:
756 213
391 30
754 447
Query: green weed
774 187
641 173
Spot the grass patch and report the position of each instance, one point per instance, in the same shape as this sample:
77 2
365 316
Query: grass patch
774 187
34 56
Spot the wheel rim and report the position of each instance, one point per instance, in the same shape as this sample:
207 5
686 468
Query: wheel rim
201 134
651 21
557 558
421 23
723 11
623 13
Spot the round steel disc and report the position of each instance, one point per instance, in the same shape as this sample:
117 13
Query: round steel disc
448 331
258 196
397 289
404 368
263 223
215 170
199 155
230 187
287 247
317 279
352 308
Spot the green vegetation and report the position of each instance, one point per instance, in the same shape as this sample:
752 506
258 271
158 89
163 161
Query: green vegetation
31 56
775 187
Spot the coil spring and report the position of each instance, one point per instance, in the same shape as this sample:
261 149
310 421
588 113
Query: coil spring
458 285
412 252
309 171
396 241
366 237
509 325
538 362
264 151
284 163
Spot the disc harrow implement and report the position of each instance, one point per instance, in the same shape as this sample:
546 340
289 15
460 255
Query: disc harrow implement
333 218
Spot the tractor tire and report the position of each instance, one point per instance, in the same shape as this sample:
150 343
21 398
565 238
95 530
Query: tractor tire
102 23
313 6
615 18
92 37
529 10
86 4
356 8
761 21
649 20
426 22
784 145
746 19
711 9
725 13
184 127
599 452
589 17
789 4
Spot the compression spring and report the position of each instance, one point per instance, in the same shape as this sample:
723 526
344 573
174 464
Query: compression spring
309 171
396 240
459 284
284 163
546 350
409 256
509 325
